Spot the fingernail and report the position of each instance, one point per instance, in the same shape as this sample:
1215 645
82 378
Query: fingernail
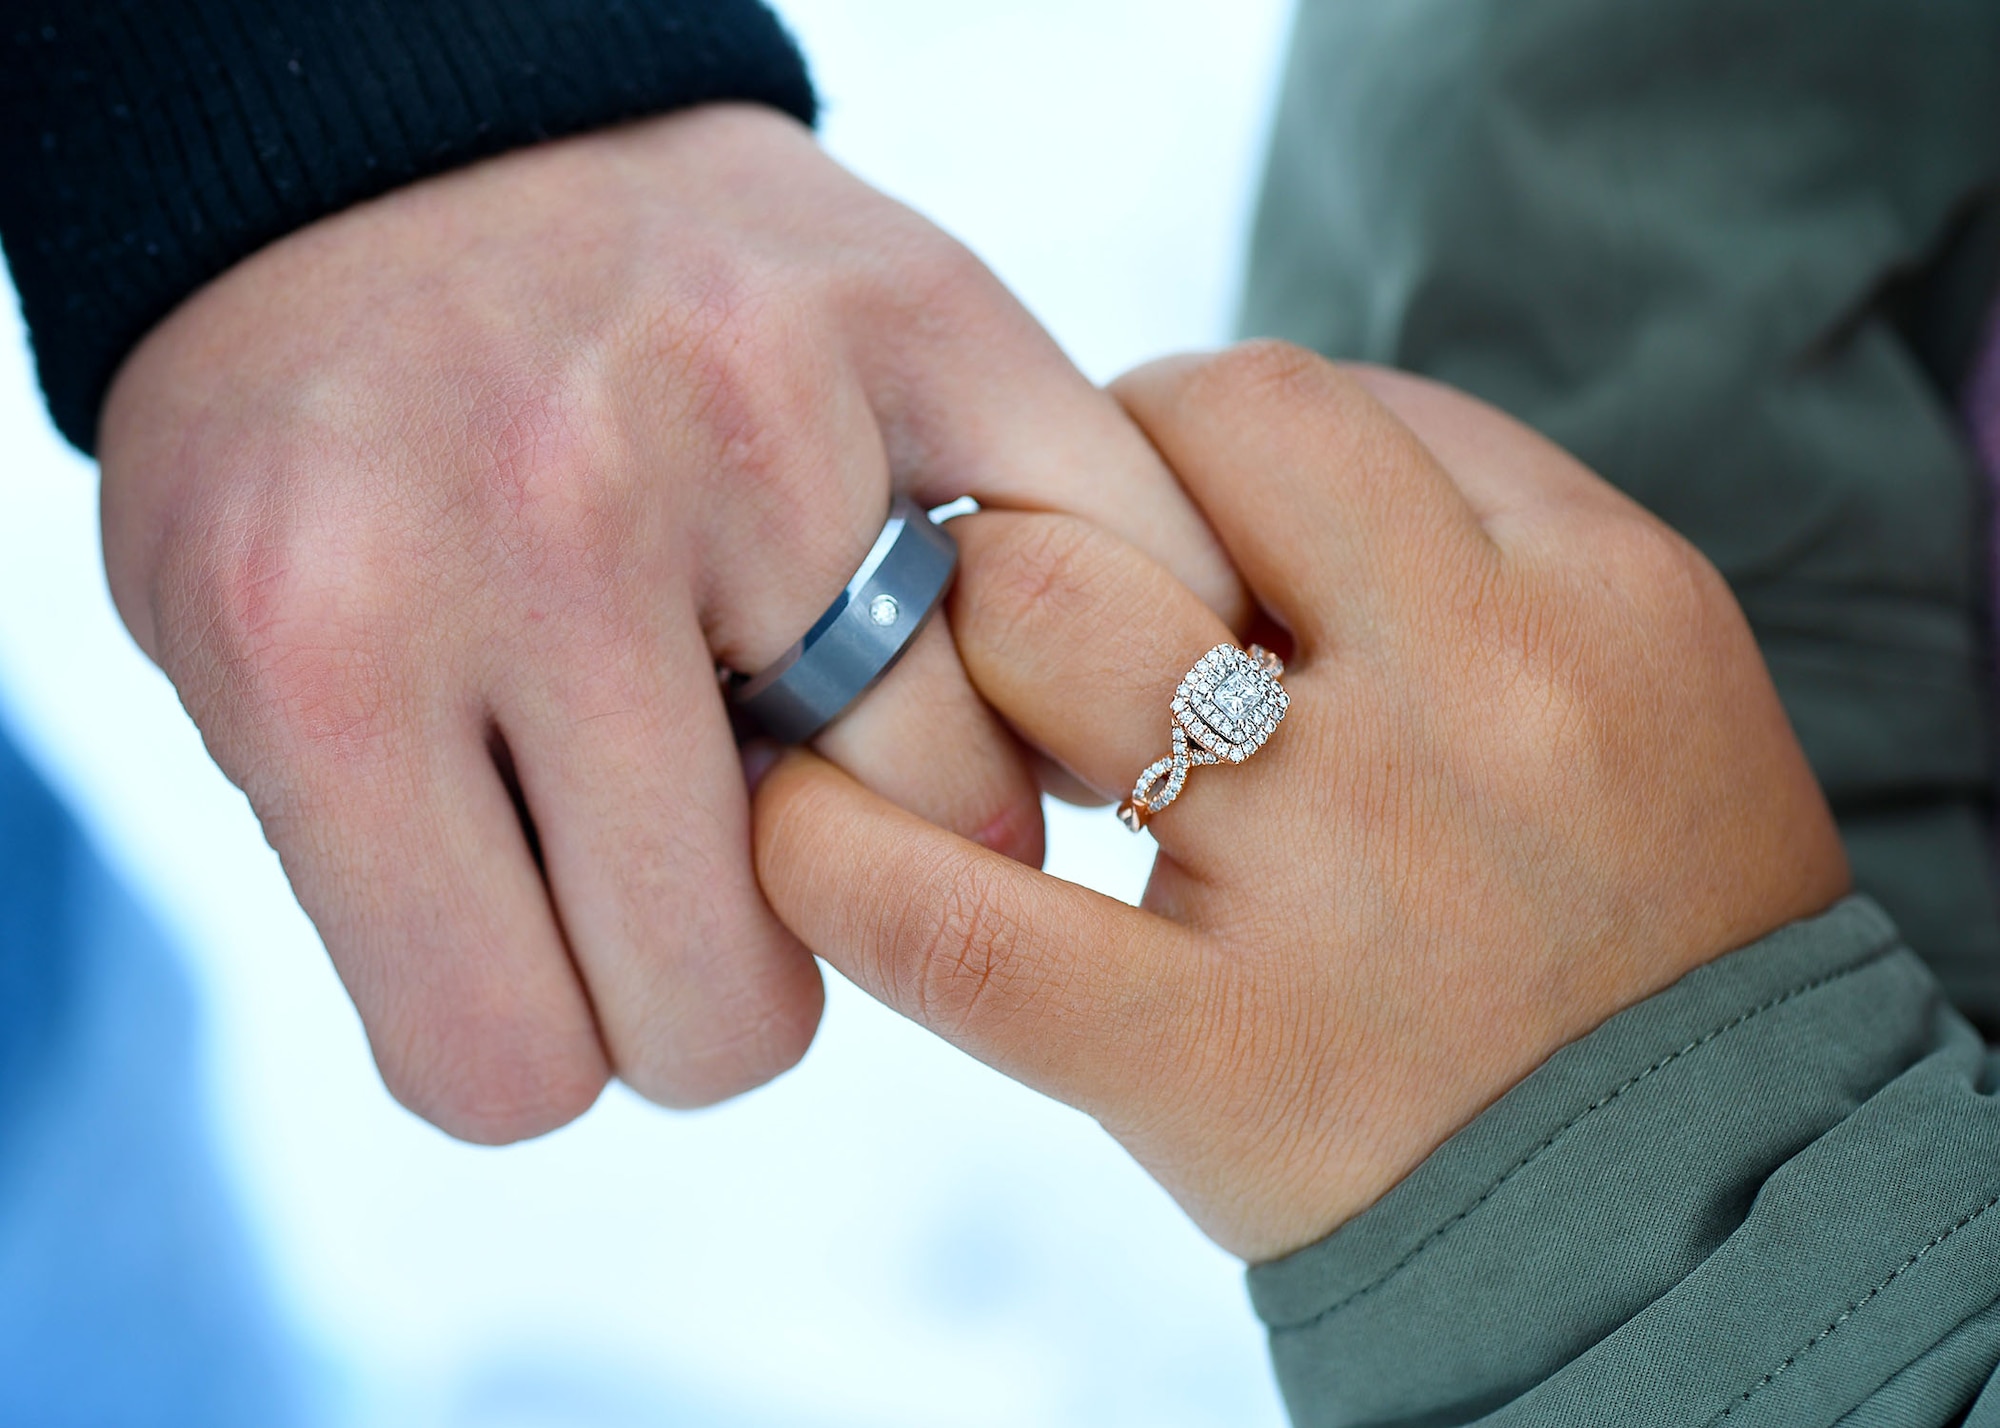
759 756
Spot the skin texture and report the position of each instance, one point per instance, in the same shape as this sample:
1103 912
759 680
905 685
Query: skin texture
440 513
1533 772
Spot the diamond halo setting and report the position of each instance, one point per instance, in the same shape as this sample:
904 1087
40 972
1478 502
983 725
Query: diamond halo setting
1224 710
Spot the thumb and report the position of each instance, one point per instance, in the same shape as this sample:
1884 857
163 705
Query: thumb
1059 987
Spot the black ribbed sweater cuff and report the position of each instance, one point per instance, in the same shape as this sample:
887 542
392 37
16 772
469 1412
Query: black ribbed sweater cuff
147 145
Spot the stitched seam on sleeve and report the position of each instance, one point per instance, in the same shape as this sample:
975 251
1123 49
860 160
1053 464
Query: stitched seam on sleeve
1849 1312
1610 1097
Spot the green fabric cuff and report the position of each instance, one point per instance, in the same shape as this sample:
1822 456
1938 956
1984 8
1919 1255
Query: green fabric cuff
1760 1195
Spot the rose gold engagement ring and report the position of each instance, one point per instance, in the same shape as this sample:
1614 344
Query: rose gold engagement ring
1224 710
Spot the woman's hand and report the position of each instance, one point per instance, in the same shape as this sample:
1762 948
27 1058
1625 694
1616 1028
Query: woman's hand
1533 771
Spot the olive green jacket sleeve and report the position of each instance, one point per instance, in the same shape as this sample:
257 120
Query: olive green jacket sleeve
1765 1196
1732 253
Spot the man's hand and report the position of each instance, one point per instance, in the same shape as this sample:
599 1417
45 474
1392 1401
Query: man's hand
1533 771
440 513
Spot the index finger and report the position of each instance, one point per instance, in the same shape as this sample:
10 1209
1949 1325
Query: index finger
1069 991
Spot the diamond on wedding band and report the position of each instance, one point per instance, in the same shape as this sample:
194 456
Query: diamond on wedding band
1224 710
862 634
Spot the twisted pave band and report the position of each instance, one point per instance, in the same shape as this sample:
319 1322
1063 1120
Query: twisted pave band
1224 710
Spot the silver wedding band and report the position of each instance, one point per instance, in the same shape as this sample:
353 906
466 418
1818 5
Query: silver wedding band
860 637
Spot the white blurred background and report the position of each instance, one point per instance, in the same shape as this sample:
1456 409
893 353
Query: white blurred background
890 1235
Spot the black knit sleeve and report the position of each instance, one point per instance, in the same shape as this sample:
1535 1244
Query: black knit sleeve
147 145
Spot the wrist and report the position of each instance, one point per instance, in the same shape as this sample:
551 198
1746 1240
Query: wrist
305 93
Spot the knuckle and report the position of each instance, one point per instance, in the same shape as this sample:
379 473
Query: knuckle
492 1097
276 639
1670 583
961 965
738 1050
742 360
482 1070
940 284
1265 369
1546 681
544 479
759 406
1599 654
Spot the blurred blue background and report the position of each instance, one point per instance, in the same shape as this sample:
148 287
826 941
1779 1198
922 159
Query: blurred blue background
891 1235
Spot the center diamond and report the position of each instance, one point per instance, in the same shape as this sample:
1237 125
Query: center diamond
1240 696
